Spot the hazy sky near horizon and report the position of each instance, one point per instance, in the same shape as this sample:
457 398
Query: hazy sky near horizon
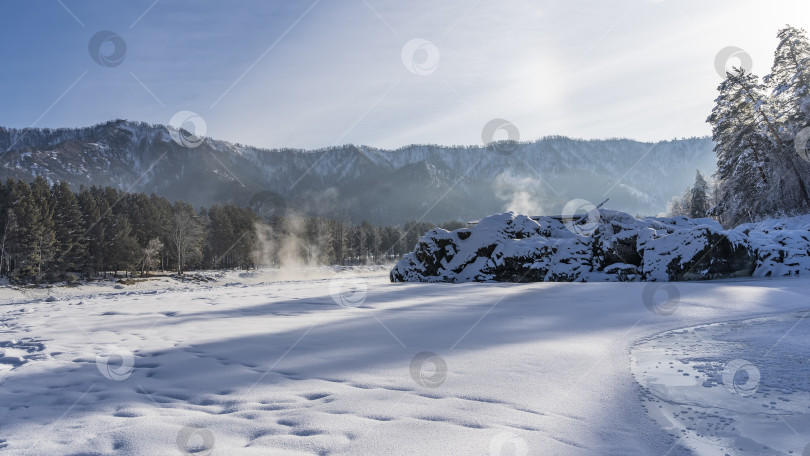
318 73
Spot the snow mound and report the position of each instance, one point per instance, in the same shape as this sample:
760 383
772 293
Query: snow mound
510 247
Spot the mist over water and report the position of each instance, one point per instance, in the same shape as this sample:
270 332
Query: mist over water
522 194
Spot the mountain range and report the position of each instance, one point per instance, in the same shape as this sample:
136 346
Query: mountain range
427 182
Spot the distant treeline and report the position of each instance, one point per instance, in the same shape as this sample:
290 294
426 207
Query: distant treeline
50 233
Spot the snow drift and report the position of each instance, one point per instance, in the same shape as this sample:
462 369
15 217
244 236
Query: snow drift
509 247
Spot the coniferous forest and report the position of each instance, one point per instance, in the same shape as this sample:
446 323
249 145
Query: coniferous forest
51 233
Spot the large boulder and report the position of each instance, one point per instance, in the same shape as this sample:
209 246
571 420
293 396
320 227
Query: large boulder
510 247
693 249
782 246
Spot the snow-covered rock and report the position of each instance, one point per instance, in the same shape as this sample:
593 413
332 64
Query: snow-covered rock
509 247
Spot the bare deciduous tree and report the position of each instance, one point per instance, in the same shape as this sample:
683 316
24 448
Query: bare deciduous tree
149 255
185 233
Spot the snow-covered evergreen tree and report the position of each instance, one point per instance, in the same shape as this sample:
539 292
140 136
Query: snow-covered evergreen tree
789 82
744 165
696 201
699 200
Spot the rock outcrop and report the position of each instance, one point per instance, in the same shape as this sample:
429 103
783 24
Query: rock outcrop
510 247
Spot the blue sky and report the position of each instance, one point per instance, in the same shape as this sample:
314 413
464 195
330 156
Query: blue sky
317 73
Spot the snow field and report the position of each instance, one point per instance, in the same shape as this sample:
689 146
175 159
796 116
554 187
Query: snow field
357 365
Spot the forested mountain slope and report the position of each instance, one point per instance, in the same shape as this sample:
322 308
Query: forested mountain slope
358 182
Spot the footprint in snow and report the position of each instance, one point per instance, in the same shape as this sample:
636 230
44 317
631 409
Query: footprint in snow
314 396
15 353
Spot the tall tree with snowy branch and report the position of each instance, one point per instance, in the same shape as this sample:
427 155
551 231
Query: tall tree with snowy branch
789 82
744 165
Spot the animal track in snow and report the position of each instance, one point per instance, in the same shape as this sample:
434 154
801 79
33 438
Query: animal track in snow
15 353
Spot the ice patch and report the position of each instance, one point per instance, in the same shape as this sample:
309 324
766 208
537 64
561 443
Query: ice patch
733 388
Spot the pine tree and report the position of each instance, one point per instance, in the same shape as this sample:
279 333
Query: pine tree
789 82
326 254
123 249
161 214
312 240
45 236
413 231
339 236
390 240
221 238
699 200
371 240
746 154
145 216
247 241
357 240
70 242
94 230
33 242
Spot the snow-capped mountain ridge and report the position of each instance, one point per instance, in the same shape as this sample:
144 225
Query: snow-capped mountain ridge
362 182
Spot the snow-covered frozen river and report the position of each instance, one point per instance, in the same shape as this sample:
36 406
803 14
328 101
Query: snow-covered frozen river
364 367
739 387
